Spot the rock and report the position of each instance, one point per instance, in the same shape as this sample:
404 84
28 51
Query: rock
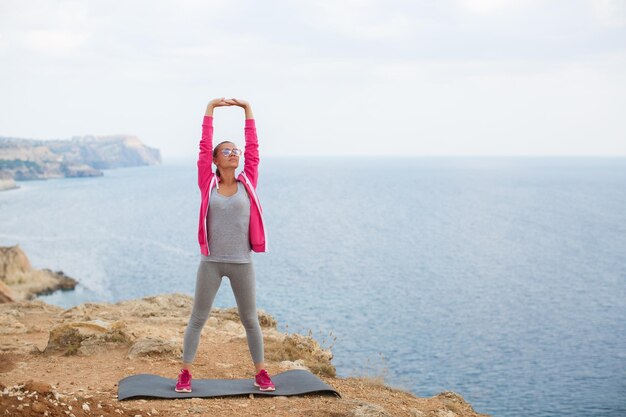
294 347
6 296
38 407
154 346
11 326
298 364
233 328
7 182
80 170
369 410
455 405
265 320
12 260
86 338
25 282
65 283
40 387
167 305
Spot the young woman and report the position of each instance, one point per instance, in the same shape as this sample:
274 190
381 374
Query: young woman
230 226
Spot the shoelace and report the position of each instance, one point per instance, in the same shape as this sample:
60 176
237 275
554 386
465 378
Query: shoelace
185 377
264 376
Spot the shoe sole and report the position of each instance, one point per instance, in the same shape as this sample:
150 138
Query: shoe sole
264 389
182 390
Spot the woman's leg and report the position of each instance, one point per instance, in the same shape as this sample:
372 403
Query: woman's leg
243 282
208 281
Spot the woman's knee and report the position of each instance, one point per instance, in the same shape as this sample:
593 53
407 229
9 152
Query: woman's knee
250 321
198 320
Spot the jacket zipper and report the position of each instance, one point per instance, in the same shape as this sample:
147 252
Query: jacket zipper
254 197
258 206
208 199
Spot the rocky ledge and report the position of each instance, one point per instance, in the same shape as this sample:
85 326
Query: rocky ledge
19 281
67 362
60 362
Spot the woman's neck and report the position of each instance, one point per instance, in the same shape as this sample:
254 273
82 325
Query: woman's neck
228 177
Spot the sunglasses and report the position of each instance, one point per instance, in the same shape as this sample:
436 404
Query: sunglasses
234 151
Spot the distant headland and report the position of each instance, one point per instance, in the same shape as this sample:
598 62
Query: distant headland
80 156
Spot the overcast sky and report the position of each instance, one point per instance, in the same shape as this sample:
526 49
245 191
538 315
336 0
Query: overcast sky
449 77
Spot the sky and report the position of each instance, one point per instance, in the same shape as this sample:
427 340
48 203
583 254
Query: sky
324 77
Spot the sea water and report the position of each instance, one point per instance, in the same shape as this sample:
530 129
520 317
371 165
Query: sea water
502 279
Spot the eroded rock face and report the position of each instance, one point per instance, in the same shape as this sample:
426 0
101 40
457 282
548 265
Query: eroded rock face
302 350
6 295
87 338
455 405
298 364
24 282
155 346
13 261
265 320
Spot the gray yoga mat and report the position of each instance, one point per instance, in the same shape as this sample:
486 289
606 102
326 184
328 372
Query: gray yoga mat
293 382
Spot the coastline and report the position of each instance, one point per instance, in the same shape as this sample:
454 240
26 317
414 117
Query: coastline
82 156
60 360
57 362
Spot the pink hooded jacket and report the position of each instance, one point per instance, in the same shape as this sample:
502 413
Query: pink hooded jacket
248 177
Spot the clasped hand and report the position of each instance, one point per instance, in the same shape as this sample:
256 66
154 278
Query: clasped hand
220 102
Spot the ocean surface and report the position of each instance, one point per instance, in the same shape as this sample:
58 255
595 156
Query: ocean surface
502 279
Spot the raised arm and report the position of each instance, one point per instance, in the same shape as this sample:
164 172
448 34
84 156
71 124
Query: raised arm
251 153
205 158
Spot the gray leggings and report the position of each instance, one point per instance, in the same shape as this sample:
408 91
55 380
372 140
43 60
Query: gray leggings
208 281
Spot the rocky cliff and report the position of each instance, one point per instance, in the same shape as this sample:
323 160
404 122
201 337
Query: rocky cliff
19 281
68 362
58 362
6 181
26 159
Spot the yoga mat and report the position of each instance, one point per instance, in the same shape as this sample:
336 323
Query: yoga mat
293 382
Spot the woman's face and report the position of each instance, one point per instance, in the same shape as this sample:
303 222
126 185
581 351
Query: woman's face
225 157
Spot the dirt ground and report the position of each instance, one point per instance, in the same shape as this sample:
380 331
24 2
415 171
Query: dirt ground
36 380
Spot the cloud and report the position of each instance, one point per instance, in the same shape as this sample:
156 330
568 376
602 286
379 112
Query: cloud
453 68
360 19
54 42
53 29
233 45
492 7
610 13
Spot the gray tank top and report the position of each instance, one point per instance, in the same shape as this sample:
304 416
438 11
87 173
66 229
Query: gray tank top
229 221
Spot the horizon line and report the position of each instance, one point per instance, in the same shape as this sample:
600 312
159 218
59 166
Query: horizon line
193 156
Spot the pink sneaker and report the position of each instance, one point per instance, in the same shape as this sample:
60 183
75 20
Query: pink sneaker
263 381
184 381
